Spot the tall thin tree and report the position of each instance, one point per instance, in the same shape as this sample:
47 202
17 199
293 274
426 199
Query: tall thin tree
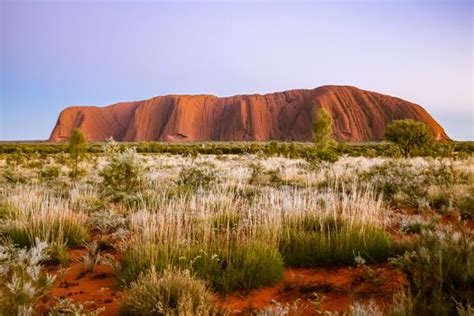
77 150
322 129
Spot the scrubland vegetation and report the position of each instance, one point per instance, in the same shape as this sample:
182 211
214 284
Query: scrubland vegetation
183 231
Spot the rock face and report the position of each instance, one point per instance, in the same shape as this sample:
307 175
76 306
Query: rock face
358 115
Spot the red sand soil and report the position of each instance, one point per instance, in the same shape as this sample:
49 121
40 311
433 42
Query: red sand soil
93 290
336 287
358 115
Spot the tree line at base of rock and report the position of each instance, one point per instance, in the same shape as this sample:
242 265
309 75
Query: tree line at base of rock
403 138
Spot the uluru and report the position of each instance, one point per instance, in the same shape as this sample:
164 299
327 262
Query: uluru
358 115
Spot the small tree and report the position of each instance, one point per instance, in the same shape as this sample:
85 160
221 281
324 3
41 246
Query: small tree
124 173
409 135
77 150
322 128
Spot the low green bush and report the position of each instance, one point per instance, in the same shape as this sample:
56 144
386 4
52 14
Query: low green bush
465 204
260 176
197 176
15 177
412 137
50 173
440 271
395 179
325 154
124 173
16 159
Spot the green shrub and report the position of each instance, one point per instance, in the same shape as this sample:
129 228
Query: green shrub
250 194
197 176
50 173
257 173
440 271
315 157
107 222
442 173
34 164
412 137
434 186
170 292
124 173
61 158
466 147
16 159
14 177
259 176
312 242
465 204
441 201
393 178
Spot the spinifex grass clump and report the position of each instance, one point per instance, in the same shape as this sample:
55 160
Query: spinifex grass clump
36 215
441 272
86 199
170 292
333 242
225 221
349 226
184 234
138 257
52 226
226 266
238 265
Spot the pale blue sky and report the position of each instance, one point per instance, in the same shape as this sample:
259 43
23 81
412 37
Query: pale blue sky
61 53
